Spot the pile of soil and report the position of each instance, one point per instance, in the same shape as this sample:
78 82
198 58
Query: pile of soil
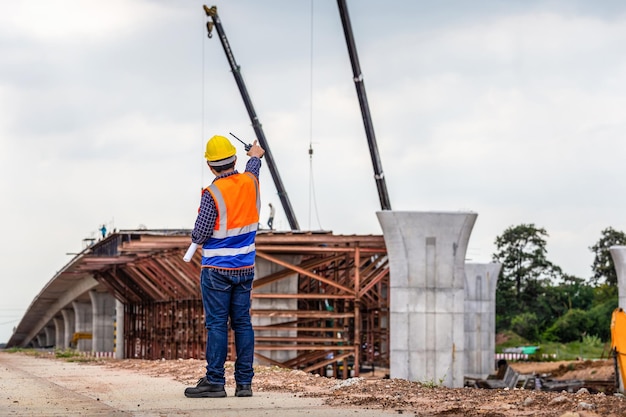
562 370
413 398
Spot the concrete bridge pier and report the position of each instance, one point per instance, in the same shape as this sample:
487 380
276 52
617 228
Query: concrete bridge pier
618 253
59 327
50 336
103 313
480 318
118 334
286 285
69 320
84 324
427 277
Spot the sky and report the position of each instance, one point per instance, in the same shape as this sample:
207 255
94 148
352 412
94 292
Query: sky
510 109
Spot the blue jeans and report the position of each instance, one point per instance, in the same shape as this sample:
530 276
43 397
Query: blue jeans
225 296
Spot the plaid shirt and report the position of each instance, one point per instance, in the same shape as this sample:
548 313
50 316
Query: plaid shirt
205 222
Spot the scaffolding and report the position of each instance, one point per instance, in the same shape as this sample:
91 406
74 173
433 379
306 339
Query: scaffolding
342 306
339 317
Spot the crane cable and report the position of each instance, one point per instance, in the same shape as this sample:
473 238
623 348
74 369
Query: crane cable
312 199
202 109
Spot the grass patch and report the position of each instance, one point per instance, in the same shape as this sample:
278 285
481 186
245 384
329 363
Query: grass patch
70 355
27 351
432 383
588 348
66 353
574 350
16 349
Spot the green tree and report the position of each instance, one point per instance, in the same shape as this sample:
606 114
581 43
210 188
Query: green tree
556 300
603 267
604 293
570 327
526 325
522 252
600 317
573 292
525 271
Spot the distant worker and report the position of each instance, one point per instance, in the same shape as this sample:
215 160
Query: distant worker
103 230
226 229
270 221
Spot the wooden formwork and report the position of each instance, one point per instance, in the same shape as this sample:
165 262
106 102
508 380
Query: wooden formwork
342 287
340 321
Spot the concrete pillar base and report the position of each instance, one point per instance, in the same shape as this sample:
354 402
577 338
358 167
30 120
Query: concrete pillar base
84 325
618 253
69 320
103 315
118 336
480 318
59 327
287 285
50 336
426 263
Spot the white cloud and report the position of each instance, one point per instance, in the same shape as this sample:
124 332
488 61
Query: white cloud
77 21
514 111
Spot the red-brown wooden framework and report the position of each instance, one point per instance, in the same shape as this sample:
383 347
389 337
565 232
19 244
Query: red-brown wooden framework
341 319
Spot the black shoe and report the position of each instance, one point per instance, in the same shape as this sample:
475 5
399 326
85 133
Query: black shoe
243 390
205 389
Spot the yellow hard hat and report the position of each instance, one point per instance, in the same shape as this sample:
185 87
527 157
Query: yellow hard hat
219 151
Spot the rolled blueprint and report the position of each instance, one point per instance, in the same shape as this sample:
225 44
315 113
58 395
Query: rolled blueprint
190 252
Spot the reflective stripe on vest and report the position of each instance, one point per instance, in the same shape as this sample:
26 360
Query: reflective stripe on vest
228 251
232 244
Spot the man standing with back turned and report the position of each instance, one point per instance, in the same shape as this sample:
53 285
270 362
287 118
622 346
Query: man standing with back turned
226 229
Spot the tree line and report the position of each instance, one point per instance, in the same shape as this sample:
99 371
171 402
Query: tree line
538 301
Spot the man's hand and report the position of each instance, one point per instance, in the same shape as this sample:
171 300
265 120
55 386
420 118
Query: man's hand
256 150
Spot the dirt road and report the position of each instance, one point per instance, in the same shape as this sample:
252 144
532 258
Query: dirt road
35 386
44 386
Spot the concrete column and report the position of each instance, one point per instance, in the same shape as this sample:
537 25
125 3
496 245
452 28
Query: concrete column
84 324
103 313
50 336
287 285
40 342
59 327
618 253
119 330
69 320
426 264
480 318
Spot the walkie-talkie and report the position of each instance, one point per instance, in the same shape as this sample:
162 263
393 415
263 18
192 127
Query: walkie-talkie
247 146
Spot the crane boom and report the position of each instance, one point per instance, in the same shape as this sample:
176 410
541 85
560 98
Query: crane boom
256 125
383 195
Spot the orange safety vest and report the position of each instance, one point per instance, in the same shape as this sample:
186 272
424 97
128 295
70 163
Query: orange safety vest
237 200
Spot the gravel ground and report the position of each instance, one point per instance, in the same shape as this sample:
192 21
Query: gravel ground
412 398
